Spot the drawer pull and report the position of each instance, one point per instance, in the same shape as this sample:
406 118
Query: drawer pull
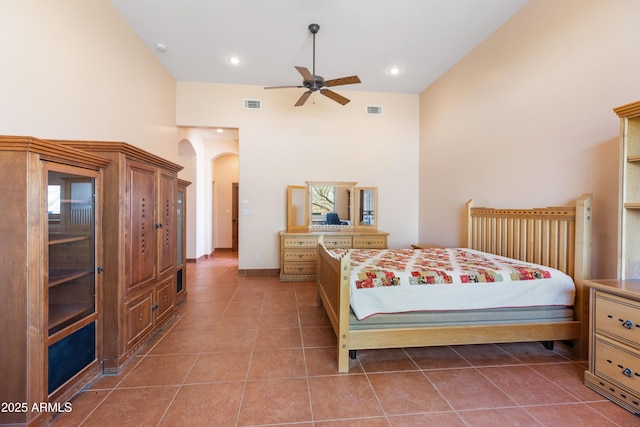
140 318
628 324
627 372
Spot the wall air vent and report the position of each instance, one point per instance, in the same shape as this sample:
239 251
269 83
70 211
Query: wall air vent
252 104
374 110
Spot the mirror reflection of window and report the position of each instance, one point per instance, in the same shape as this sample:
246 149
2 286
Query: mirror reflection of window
82 194
53 200
322 199
367 207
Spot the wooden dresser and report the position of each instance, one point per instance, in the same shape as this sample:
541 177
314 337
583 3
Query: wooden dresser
298 251
614 345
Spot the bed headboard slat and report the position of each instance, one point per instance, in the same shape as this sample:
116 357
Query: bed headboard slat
544 236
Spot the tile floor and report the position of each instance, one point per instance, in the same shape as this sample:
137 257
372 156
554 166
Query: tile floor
254 351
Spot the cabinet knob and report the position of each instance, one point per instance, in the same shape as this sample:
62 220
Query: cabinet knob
159 225
628 324
627 372
100 269
140 318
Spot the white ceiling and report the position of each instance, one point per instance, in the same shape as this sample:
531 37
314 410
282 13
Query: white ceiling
363 37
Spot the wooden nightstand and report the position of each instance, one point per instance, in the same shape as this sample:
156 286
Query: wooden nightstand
614 341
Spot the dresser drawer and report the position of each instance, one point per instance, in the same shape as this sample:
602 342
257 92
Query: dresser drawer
299 268
618 317
300 255
372 242
290 242
332 242
617 363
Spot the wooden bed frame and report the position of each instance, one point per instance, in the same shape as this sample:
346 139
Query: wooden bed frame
558 237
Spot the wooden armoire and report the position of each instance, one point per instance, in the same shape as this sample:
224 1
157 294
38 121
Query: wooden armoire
51 288
140 237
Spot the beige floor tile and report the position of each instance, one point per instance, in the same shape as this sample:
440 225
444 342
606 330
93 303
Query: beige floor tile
526 387
467 388
161 370
343 396
407 393
214 404
275 401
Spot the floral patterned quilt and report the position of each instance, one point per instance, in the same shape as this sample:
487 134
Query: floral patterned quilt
389 281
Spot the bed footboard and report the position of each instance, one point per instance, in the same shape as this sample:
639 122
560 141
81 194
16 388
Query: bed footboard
333 292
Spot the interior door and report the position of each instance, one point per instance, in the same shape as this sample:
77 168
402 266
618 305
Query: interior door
234 216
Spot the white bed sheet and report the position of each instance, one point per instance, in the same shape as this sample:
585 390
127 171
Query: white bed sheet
558 290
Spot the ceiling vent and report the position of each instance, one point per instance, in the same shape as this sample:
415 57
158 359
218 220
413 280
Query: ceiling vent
374 110
252 104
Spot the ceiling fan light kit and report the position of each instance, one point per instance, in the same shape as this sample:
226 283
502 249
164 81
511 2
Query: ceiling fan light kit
315 83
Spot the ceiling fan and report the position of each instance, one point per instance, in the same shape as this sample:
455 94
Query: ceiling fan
314 82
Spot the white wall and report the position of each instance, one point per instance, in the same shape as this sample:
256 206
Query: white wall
74 69
526 119
281 145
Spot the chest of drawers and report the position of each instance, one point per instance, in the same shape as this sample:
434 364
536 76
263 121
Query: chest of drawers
298 251
614 347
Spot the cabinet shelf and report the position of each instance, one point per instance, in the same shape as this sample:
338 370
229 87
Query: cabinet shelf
630 205
57 239
61 313
58 277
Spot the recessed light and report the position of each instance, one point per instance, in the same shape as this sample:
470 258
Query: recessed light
161 47
219 130
394 71
234 60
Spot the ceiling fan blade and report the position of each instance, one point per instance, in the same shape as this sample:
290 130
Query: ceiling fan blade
336 97
306 74
342 81
303 99
281 87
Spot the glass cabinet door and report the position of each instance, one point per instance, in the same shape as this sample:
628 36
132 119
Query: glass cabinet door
180 227
71 222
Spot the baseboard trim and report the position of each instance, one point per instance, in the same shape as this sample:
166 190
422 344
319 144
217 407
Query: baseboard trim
259 272
197 260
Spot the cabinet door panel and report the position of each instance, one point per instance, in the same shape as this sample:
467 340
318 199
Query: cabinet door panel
139 320
167 233
163 300
141 243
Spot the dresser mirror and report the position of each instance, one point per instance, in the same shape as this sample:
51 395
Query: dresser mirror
297 208
331 206
366 208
